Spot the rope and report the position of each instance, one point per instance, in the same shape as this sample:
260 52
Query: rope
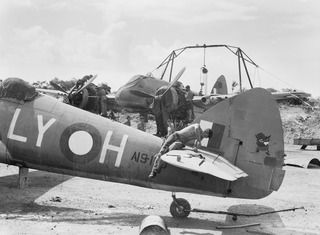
277 78
243 214
256 77
204 56
237 226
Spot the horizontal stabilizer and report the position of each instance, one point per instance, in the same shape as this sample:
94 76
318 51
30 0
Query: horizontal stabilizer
204 162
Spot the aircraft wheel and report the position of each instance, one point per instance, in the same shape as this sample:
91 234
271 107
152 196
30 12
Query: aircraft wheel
180 208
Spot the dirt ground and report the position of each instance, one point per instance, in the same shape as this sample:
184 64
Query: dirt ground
60 204
97 207
299 122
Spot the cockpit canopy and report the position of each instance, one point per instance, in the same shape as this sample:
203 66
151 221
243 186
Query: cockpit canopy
18 89
135 79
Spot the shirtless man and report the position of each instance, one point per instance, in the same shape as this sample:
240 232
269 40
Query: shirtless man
190 135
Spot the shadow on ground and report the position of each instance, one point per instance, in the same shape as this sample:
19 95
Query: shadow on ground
267 224
14 199
16 204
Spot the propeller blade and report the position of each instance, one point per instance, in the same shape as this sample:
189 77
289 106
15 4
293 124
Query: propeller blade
87 83
174 80
73 90
57 87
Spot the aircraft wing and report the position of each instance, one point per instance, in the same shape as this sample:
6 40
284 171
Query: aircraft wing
50 92
111 96
290 95
208 101
204 162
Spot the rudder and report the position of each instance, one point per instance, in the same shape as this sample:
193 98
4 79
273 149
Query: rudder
247 131
220 86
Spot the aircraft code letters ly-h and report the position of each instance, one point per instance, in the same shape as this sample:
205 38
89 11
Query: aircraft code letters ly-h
70 140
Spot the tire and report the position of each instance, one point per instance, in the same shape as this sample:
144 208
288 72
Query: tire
176 210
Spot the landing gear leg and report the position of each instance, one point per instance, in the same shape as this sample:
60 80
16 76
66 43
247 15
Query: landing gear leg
180 207
23 177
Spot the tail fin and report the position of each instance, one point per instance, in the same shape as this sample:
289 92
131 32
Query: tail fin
247 131
220 86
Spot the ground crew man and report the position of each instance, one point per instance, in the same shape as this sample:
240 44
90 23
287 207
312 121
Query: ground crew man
142 124
190 135
102 102
128 122
189 97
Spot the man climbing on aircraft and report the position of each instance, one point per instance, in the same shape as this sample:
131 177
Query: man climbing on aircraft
190 135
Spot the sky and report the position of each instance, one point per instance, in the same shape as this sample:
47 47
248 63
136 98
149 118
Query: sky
43 39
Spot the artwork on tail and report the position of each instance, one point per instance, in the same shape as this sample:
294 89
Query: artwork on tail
263 142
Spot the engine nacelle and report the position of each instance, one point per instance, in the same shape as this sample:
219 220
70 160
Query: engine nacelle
170 99
206 100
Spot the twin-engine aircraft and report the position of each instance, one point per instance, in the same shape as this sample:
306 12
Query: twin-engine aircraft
243 159
138 93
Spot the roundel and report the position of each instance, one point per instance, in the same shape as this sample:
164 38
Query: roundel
80 143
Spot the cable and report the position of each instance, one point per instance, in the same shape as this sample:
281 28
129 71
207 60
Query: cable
277 78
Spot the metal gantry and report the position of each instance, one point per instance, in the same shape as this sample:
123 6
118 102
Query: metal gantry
242 58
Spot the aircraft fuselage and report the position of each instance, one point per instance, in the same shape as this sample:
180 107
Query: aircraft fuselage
48 135
126 98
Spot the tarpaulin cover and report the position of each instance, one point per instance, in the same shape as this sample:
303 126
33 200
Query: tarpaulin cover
17 88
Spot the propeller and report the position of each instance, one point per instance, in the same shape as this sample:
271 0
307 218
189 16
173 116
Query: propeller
174 80
73 90
76 89
73 95
57 87
88 83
